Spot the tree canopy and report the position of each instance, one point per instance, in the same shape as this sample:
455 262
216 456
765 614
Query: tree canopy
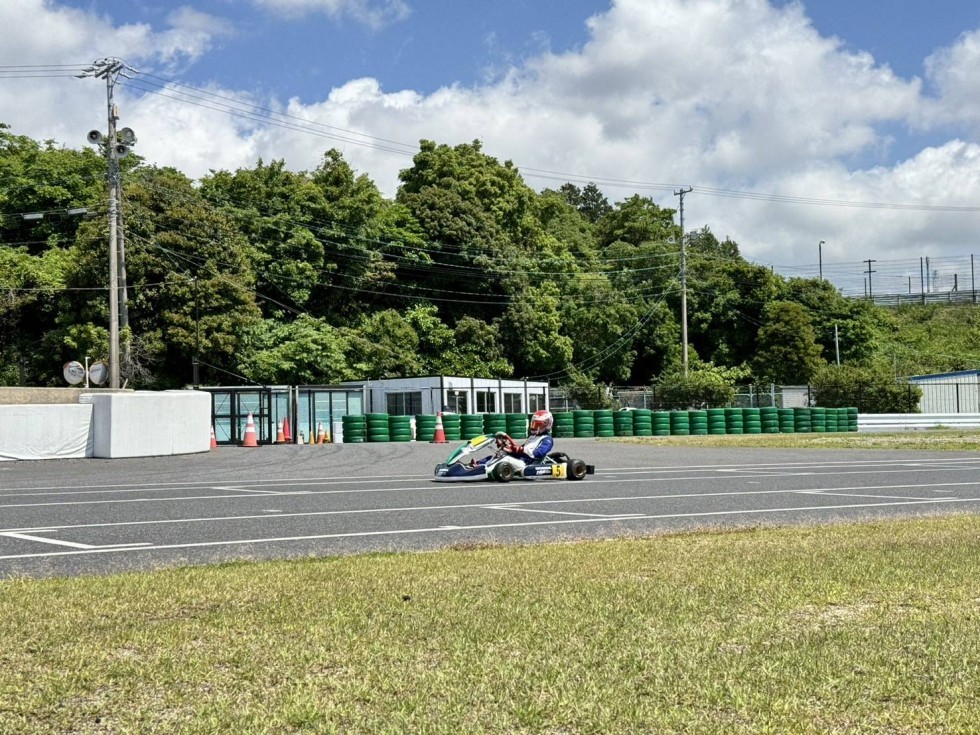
269 275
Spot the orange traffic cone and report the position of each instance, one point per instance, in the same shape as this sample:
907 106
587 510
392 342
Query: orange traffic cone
280 432
312 435
214 442
286 431
250 439
440 435
321 434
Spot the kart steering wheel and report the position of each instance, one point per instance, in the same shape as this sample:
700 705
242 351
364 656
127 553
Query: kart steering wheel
507 444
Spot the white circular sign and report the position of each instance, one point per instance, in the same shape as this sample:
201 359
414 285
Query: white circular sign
74 372
98 372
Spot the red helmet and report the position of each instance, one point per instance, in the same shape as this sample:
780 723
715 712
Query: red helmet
541 423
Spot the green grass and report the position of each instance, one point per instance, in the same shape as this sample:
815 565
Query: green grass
962 440
868 628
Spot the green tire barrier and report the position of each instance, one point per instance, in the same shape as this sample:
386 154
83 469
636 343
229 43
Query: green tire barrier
377 427
604 426
584 424
734 422
564 425
770 420
818 419
470 425
786 425
830 420
517 425
680 423
425 427
660 423
751 420
355 428
698 420
801 420
451 426
716 421
623 423
400 428
643 422
852 419
494 422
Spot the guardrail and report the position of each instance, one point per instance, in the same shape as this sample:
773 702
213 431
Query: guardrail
917 421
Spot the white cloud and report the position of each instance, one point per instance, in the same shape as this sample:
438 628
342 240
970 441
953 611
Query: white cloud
372 13
955 71
722 94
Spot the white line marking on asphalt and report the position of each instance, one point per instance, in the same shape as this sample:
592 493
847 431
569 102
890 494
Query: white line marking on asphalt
464 506
562 512
482 527
71 544
436 487
856 495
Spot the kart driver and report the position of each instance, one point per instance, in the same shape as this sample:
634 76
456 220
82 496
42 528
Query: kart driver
537 446
539 442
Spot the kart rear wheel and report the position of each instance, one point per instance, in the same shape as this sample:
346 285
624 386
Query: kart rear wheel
577 469
504 472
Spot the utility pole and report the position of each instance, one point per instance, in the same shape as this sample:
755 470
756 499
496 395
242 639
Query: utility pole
837 345
870 290
820 256
117 146
680 193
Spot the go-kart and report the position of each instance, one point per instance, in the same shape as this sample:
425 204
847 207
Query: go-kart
504 466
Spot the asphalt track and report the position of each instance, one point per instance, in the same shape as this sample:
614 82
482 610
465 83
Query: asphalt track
78 517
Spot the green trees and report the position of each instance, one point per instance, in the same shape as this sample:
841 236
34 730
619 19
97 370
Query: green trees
787 353
276 276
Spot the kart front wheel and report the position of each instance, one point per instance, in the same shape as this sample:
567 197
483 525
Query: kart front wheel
577 470
504 472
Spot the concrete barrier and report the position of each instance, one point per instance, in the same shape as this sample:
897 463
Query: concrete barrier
62 431
108 425
917 421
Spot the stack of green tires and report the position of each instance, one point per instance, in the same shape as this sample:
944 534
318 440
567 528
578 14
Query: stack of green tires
517 425
818 419
642 422
623 423
425 427
564 426
852 419
734 423
770 419
786 425
752 420
660 422
604 422
400 428
470 425
830 420
698 420
377 427
355 428
494 423
801 420
716 420
584 424
680 423
451 426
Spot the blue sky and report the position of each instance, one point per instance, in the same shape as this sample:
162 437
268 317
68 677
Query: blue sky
823 108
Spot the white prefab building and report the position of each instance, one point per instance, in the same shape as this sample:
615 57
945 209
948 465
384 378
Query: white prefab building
957 392
428 395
